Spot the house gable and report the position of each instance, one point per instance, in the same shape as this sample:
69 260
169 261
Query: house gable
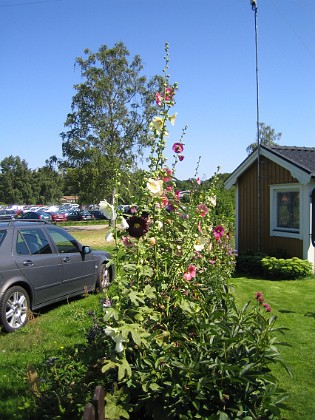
274 206
299 161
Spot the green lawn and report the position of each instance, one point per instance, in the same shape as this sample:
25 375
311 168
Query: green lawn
294 304
63 326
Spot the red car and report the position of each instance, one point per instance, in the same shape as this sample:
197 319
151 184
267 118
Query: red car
58 217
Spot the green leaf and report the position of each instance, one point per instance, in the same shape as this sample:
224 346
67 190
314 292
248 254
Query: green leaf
124 369
154 386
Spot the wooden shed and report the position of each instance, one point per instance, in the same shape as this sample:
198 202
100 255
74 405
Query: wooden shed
275 205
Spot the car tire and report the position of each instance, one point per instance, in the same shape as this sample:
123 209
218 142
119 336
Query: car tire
14 308
104 278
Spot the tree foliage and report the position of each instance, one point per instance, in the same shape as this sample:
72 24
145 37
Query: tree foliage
107 128
268 137
21 185
16 181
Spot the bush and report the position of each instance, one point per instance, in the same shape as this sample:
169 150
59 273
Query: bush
288 269
250 264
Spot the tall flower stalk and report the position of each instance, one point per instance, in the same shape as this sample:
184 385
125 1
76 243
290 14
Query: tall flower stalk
172 314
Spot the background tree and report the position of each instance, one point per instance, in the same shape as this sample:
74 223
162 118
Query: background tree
268 137
49 185
16 181
107 128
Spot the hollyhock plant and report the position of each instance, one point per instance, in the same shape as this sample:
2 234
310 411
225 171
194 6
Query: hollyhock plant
171 300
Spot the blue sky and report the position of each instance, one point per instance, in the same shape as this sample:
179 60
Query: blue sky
212 57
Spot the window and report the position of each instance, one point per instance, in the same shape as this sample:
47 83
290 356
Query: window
32 241
285 210
63 241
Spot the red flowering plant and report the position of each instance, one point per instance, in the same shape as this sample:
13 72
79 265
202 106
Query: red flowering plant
176 344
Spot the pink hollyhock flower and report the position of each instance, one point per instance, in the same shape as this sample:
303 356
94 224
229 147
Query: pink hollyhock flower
190 273
127 242
181 157
178 147
267 307
164 201
167 175
158 99
169 94
177 195
198 180
218 232
202 209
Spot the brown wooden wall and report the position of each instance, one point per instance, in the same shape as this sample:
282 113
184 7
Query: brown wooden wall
270 173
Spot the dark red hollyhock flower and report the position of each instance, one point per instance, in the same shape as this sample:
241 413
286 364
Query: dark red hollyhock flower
138 226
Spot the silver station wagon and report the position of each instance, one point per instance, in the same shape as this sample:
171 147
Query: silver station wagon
40 264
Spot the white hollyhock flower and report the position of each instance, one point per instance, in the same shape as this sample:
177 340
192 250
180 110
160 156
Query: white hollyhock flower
123 225
107 209
155 186
109 237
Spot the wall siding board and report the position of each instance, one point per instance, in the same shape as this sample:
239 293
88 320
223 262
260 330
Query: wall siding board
270 173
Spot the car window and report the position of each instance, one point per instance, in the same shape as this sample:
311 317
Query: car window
32 241
2 235
63 241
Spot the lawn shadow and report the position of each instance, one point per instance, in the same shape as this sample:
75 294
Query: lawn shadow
286 311
310 314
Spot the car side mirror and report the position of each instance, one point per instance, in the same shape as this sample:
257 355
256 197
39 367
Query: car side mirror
86 250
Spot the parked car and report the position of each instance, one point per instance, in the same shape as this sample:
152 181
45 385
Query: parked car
77 215
98 215
58 217
41 263
41 215
8 214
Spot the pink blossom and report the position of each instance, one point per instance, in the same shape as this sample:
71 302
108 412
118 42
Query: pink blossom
158 99
199 227
267 307
181 157
126 241
218 232
202 209
190 273
164 201
198 180
167 175
177 195
178 147
169 94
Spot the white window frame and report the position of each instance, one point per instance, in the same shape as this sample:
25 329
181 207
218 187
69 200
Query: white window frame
281 231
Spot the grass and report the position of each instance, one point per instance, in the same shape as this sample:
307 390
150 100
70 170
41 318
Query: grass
63 325
293 303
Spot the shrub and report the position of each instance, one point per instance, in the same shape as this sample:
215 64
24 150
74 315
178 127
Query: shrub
250 264
289 269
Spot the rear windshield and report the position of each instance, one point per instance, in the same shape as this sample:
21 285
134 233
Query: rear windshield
2 236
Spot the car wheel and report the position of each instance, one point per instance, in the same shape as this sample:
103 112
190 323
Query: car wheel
104 278
14 308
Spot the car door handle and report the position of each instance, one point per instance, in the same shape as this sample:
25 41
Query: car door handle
28 263
66 259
